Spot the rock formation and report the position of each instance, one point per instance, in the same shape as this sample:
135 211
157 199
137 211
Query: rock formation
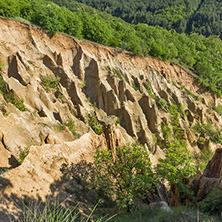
212 177
59 81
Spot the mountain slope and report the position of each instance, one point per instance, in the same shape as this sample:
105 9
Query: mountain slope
85 81
203 55
198 16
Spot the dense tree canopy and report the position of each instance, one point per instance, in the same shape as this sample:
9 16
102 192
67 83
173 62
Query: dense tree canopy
201 16
202 54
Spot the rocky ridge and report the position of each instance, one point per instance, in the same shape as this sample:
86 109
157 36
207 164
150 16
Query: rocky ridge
92 79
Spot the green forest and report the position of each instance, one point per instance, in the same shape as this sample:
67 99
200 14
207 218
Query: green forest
202 55
200 16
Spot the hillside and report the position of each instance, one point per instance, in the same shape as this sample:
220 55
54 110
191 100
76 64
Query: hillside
58 84
202 55
197 16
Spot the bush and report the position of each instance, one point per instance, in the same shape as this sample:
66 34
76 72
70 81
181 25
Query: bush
23 155
49 82
71 126
203 158
212 204
148 89
218 109
94 123
177 166
214 134
125 176
9 96
161 103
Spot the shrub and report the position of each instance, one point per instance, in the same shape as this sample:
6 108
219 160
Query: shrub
60 126
203 158
161 103
9 96
50 82
177 166
218 109
117 121
71 126
214 134
212 204
94 123
124 176
4 170
23 155
148 89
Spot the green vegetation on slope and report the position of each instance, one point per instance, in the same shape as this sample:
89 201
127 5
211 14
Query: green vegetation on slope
200 16
124 175
168 14
203 54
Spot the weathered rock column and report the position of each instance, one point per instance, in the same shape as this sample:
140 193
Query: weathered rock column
113 138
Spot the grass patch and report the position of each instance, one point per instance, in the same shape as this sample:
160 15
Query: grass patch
71 126
161 103
180 214
118 73
52 212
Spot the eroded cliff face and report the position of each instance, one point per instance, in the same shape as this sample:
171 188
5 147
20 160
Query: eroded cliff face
138 90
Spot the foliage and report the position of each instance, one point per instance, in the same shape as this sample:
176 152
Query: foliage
207 129
161 103
49 82
218 109
9 96
4 170
117 121
178 214
23 155
19 105
202 54
118 73
60 126
177 164
203 158
135 86
71 126
1 65
52 212
94 123
168 14
125 176
148 89
182 15
212 204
